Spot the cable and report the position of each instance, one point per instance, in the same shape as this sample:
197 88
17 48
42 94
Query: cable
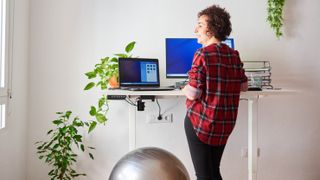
160 115
129 101
186 80
170 108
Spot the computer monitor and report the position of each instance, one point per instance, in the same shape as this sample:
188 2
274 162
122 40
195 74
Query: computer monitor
229 42
179 55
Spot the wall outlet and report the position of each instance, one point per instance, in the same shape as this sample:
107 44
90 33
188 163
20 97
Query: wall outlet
244 152
153 118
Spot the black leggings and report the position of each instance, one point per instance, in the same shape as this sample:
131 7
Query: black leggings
206 159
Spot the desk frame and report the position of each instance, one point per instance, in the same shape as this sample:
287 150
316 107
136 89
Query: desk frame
251 96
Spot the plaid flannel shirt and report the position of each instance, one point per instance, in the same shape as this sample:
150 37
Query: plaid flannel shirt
217 72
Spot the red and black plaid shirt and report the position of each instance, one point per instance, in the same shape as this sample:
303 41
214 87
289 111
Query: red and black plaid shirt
218 72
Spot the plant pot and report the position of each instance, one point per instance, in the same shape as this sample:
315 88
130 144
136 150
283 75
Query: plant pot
114 82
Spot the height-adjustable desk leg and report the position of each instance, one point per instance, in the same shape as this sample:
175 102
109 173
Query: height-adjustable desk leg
252 138
132 127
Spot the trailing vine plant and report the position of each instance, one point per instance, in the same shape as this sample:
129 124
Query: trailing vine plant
103 73
275 19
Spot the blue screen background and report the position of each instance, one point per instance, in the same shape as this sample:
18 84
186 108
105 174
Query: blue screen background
179 55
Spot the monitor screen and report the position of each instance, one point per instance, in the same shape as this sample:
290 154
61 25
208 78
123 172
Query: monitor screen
179 55
229 42
138 72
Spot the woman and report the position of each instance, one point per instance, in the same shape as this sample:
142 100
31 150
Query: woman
215 81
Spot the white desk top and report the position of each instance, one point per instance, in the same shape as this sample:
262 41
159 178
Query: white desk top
180 93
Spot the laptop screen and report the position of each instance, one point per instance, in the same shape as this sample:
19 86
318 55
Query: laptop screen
138 72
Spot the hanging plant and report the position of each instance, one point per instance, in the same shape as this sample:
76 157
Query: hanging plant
275 19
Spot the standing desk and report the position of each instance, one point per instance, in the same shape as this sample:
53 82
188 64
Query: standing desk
252 97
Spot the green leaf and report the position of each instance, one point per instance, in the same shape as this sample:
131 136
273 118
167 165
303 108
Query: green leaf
91 147
101 118
68 113
93 111
72 130
103 60
101 101
51 172
62 132
130 46
121 55
77 123
57 122
115 60
92 126
91 156
82 147
49 132
99 70
41 151
89 86
55 146
91 74
77 138
103 86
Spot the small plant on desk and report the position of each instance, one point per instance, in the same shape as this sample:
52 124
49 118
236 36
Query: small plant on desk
105 72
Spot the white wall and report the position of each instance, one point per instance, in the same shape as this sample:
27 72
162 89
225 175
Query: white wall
13 137
68 37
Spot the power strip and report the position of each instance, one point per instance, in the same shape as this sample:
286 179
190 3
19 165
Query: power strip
116 97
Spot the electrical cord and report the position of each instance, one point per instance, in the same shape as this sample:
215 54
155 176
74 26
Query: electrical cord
128 100
160 115
181 84
186 80
169 108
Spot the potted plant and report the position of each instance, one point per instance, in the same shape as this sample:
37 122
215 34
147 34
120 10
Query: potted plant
59 150
275 19
106 74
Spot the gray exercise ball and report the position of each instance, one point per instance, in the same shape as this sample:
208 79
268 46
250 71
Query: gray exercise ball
149 163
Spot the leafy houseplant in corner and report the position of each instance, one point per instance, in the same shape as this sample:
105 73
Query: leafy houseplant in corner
106 74
59 151
275 19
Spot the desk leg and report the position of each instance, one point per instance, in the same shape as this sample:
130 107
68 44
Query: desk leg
132 127
252 141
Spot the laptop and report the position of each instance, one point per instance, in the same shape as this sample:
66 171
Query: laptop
140 74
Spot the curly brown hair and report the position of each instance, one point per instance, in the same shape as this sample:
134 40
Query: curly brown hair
218 21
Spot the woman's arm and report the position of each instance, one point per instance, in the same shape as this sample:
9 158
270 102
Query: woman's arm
197 77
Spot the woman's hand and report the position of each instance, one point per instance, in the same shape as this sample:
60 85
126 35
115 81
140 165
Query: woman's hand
191 93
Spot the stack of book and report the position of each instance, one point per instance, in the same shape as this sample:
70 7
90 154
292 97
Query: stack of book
259 74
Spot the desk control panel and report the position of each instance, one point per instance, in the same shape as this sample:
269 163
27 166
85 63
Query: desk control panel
116 97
